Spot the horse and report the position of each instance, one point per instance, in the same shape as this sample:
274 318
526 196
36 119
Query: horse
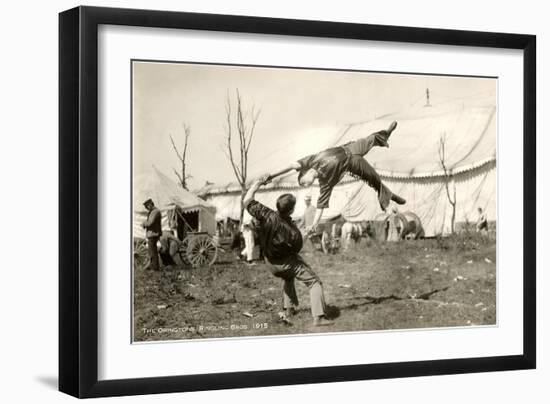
351 231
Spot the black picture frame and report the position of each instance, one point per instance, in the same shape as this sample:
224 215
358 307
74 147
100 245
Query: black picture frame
78 200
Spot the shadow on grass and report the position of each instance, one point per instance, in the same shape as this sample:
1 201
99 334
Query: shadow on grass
366 300
332 312
224 262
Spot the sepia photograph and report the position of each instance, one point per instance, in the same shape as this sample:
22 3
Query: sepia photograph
276 201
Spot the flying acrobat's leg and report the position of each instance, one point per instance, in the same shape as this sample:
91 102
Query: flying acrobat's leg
361 169
362 146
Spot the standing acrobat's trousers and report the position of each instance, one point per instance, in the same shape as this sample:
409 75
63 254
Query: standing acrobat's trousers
296 268
153 253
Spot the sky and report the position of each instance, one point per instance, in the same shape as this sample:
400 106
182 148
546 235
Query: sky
294 103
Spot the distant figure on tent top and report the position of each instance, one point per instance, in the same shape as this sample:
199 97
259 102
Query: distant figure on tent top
330 165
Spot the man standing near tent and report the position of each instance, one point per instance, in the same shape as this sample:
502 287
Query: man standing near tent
330 165
281 241
153 231
309 214
394 226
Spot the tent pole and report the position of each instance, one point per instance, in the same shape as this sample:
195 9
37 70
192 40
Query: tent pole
187 226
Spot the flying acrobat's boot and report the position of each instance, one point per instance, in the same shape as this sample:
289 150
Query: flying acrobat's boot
385 195
383 136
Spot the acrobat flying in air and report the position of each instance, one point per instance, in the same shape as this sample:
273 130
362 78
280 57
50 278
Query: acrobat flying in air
330 165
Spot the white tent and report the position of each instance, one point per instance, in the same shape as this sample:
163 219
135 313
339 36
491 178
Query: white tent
167 196
410 167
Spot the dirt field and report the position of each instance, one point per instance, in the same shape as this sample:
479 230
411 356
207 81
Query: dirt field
411 284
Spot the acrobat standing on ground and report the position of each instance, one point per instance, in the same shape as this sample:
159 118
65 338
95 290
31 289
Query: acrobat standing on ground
281 243
330 165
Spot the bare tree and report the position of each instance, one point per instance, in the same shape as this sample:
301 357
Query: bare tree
449 180
182 174
239 130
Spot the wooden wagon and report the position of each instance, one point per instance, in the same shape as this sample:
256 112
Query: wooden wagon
197 249
327 236
191 219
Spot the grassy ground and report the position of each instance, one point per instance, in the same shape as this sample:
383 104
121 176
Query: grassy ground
411 284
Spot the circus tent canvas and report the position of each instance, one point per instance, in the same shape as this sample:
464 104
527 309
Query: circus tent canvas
411 166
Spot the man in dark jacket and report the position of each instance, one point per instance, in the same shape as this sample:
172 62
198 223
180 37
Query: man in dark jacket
153 230
281 241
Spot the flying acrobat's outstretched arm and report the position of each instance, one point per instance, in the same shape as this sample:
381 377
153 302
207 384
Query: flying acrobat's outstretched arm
293 166
316 220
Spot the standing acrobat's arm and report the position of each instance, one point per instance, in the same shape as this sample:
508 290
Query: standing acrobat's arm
249 197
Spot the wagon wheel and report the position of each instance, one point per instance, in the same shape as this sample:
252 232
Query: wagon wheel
184 246
315 241
141 254
326 242
202 251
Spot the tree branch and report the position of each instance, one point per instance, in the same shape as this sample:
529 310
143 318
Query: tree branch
242 140
178 174
187 132
255 117
229 138
448 178
180 157
245 124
